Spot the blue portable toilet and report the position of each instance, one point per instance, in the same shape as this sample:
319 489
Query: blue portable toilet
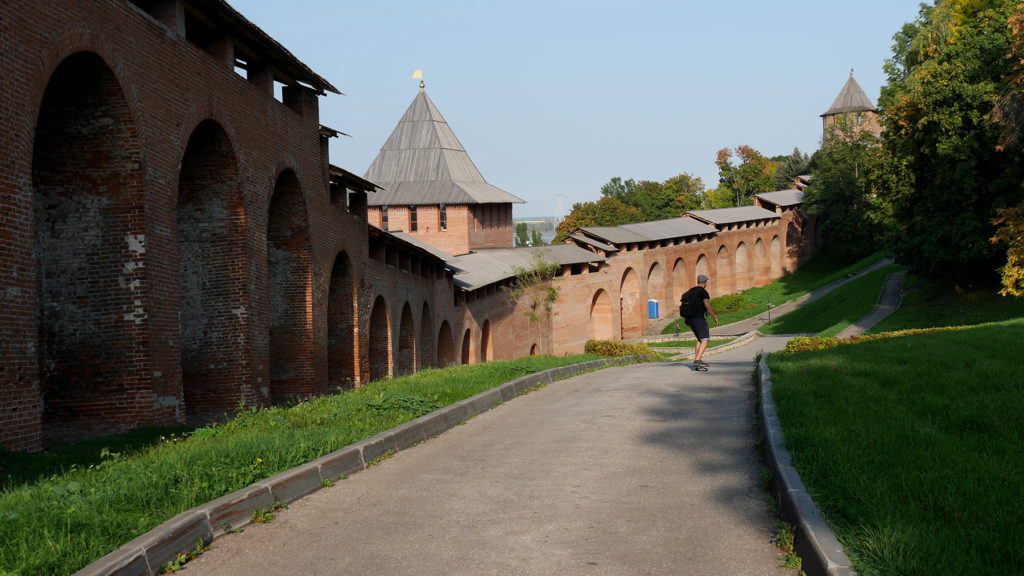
652 309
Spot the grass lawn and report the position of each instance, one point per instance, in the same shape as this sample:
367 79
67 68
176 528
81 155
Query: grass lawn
934 305
821 270
835 311
118 488
912 445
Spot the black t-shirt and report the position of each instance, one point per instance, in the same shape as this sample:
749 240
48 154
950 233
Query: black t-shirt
702 295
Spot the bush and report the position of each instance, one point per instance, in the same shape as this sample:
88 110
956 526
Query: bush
730 303
803 344
617 348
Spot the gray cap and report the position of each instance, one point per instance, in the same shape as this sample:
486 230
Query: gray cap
702 279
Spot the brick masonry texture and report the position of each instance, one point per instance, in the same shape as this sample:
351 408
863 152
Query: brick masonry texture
169 248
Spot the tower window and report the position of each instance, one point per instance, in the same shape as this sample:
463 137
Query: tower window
412 219
443 217
384 217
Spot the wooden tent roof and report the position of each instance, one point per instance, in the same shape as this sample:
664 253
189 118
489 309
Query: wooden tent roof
423 162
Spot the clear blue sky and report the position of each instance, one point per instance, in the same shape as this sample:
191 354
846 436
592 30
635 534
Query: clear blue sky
556 97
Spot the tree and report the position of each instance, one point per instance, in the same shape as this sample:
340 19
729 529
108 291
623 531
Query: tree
535 238
843 190
754 174
1011 234
522 236
789 167
947 70
605 212
1009 113
719 197
626 202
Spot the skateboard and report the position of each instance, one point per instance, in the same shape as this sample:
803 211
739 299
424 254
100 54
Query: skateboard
700 368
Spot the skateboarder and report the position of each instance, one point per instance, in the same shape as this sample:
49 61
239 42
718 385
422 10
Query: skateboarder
696 321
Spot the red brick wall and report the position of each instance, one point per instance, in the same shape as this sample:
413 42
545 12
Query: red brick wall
470 227
160 161
169 248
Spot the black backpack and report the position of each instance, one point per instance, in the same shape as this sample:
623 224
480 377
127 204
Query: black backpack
690 304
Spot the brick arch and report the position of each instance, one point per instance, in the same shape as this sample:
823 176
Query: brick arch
342 310
656 283
534 349
486 344
75 39
680 282
406 342
445 345
723 272
212 275
379 337
289 291
602 324
775 257
90 248
793 246
703 266
468 350
630 306
425 353
742 268
761 264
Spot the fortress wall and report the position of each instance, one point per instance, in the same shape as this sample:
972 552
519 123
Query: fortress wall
169 247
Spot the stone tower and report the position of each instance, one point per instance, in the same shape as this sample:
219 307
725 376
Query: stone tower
853 104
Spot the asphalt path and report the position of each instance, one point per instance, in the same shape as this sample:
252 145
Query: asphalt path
642 469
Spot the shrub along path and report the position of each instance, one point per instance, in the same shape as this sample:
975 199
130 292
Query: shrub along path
645 469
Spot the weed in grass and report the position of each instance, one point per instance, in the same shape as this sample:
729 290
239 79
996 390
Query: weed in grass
784 539
181 559
262 516
326 483
386 455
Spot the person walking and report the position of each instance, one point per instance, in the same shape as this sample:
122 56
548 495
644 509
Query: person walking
694 305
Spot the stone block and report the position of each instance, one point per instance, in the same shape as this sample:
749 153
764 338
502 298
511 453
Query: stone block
344 462
407 435
815 543
484 401
235 509
445 419
289 486
179 535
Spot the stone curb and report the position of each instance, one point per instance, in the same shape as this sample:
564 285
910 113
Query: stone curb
150 552
814 542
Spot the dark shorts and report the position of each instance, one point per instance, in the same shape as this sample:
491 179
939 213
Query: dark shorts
699 325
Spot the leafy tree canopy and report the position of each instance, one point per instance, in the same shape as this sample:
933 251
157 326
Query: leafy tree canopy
522 234
604 212
751 173
848 170
947 70
629 201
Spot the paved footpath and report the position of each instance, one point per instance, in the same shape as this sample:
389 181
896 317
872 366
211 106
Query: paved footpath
643 469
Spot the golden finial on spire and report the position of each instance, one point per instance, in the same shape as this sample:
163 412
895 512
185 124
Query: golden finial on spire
851 72
419 75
